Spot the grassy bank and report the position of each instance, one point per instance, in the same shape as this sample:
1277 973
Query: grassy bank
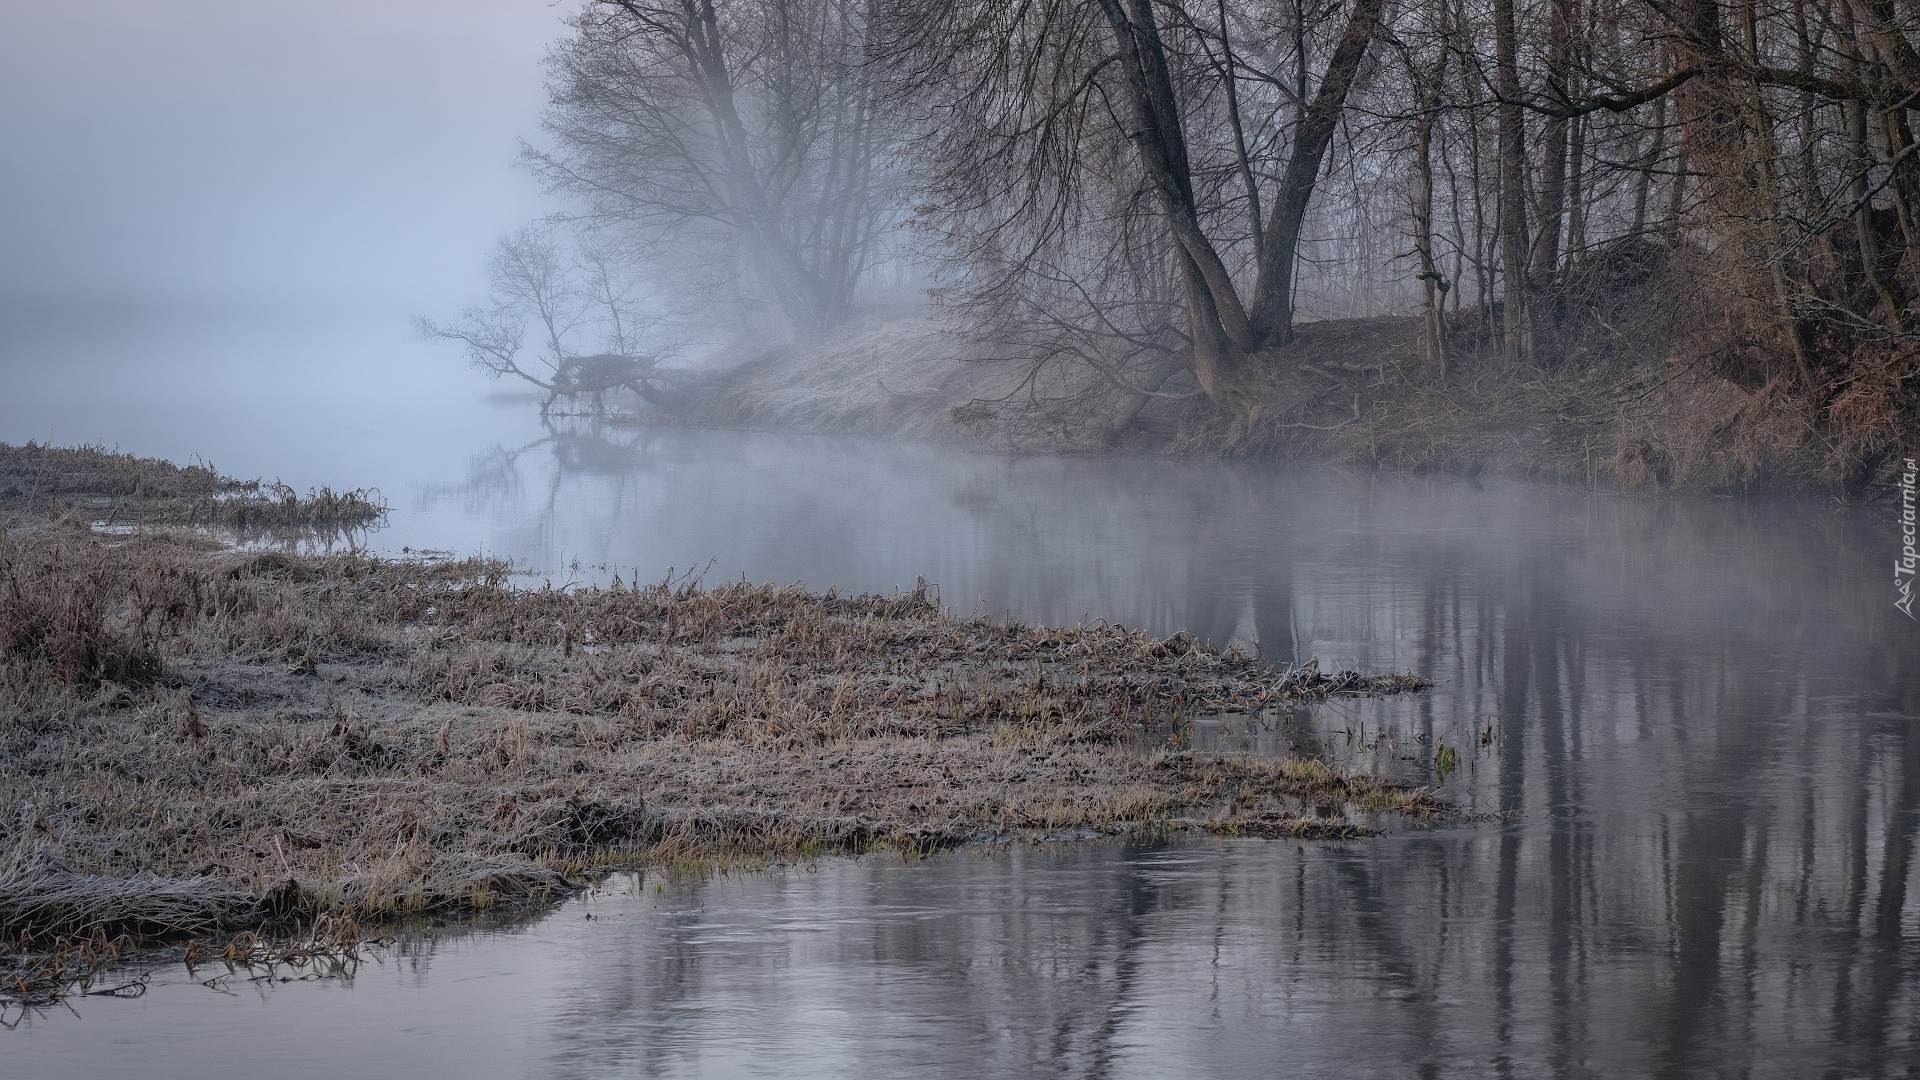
199 741
1645 391
1619 414
113 489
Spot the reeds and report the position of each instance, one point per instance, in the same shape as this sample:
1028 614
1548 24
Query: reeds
37 471
116 488
274 507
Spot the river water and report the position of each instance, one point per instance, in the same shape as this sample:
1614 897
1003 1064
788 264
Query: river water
1692 727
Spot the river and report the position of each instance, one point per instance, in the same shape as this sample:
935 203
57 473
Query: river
1689 730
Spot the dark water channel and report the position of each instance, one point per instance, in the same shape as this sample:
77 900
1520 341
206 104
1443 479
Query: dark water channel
1696 723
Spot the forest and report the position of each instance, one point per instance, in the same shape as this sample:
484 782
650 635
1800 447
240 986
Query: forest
1675 241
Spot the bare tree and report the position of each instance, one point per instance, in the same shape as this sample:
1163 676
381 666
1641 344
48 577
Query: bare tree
566 302
745 129
1430 86
1032 98
1143 199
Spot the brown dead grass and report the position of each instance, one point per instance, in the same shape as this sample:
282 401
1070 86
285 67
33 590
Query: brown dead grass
194 739
111 488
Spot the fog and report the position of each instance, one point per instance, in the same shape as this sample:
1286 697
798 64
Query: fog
1688 744
353 155
947 295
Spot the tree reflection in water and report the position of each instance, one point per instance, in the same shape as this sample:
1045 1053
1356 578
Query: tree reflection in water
1695 722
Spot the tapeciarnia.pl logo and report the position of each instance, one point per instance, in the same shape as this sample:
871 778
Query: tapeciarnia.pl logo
1903 567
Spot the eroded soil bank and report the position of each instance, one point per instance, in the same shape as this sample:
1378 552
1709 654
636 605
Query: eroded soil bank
201 741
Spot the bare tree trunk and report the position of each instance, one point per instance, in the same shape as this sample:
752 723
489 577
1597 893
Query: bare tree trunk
1860 166
1766 238
1516 319
798 291
1222 335
1643 183
1273 291
1433 284
1898 137
1545 256
1811 197
1677 194
1483 242
1576 188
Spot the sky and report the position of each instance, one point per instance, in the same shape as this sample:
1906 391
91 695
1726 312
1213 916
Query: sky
351 152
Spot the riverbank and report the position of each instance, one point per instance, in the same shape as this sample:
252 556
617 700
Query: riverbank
114 490
1640 398
203 741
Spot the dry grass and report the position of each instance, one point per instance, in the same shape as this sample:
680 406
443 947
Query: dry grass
1621 415
896 378
1654 385
56 622
1658 380
897 373
398 736
112 488
197 741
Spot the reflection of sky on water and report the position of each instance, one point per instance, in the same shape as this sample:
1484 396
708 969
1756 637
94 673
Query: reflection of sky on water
1699 716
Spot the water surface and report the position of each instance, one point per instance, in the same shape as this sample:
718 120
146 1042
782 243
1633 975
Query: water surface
1692 724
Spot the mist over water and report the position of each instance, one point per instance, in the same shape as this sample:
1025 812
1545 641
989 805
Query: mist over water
1691 723
309 396
1688 730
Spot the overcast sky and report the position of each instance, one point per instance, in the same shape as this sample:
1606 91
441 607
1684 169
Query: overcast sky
350 151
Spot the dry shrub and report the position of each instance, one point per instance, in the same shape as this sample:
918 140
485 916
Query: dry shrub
1826 414
1709 434
1615 306
276 507
61 614
1876 407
